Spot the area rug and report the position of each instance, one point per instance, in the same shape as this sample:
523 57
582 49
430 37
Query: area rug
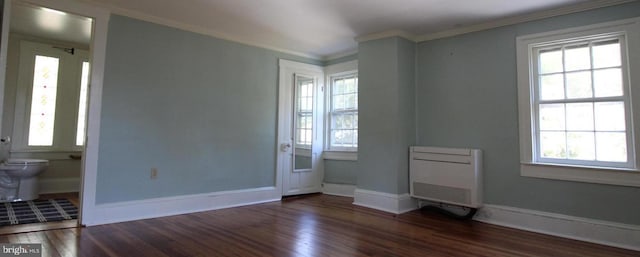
35 211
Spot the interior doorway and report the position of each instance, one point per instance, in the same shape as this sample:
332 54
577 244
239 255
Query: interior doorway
45 103
99 18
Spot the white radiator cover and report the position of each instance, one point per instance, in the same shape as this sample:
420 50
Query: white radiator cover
447 175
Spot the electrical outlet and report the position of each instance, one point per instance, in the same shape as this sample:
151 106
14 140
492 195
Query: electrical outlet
154 173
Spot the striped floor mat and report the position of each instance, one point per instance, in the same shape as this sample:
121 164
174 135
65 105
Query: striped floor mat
15 213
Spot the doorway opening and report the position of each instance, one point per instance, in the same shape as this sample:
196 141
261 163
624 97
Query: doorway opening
45 109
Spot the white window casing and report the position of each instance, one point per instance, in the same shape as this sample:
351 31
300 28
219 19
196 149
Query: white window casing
344 70
567 164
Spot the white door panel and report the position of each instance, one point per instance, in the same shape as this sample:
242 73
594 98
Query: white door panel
300 128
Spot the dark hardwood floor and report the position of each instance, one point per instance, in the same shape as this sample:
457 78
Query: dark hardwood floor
313 225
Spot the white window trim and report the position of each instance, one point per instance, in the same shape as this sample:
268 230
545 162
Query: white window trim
340 155
331 71
601 175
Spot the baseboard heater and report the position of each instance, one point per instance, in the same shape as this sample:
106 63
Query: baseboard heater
446 175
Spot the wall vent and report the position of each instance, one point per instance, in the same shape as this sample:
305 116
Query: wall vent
447 175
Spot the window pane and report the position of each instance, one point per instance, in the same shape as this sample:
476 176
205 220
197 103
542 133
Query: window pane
579 84
581 145
606 54
612 146
608 82
580 116
338 102
609 116
355 120
82 104
551 87
355 138
552 117
350 85
577 58
337 122
43 101
338 87
552 145
344 138
550 61
350 101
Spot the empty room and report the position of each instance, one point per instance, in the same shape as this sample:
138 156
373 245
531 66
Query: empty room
320 128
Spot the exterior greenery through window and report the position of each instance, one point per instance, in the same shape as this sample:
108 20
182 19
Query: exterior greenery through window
343 113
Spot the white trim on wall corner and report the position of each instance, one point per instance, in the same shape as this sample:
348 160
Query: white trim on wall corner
58 185
175 205
345 190
392 203
583 229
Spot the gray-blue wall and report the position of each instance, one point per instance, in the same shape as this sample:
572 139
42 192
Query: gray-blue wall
467 97
199 109
386 115
340 172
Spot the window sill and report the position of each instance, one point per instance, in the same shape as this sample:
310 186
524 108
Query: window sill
340 156
597 175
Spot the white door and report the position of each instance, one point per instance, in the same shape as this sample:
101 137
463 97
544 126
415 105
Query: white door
300 126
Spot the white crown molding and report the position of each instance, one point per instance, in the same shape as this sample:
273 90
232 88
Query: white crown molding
590 230
339 55
385 34
584 6
196 29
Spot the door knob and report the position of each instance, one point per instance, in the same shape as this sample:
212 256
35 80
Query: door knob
284 147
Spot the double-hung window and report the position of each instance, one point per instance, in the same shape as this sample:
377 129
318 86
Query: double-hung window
576 103
343 113
341 105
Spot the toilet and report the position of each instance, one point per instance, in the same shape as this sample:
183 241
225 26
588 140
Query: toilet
19 179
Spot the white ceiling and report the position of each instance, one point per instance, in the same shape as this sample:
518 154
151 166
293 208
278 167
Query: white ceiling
50 24
323 28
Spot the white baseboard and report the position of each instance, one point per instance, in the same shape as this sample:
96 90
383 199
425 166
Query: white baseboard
590 230
58 185
338 189
384 201
169 206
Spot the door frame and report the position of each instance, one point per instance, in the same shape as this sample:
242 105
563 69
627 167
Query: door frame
89 167
285 97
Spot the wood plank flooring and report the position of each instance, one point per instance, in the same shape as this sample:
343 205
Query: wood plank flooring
313 225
